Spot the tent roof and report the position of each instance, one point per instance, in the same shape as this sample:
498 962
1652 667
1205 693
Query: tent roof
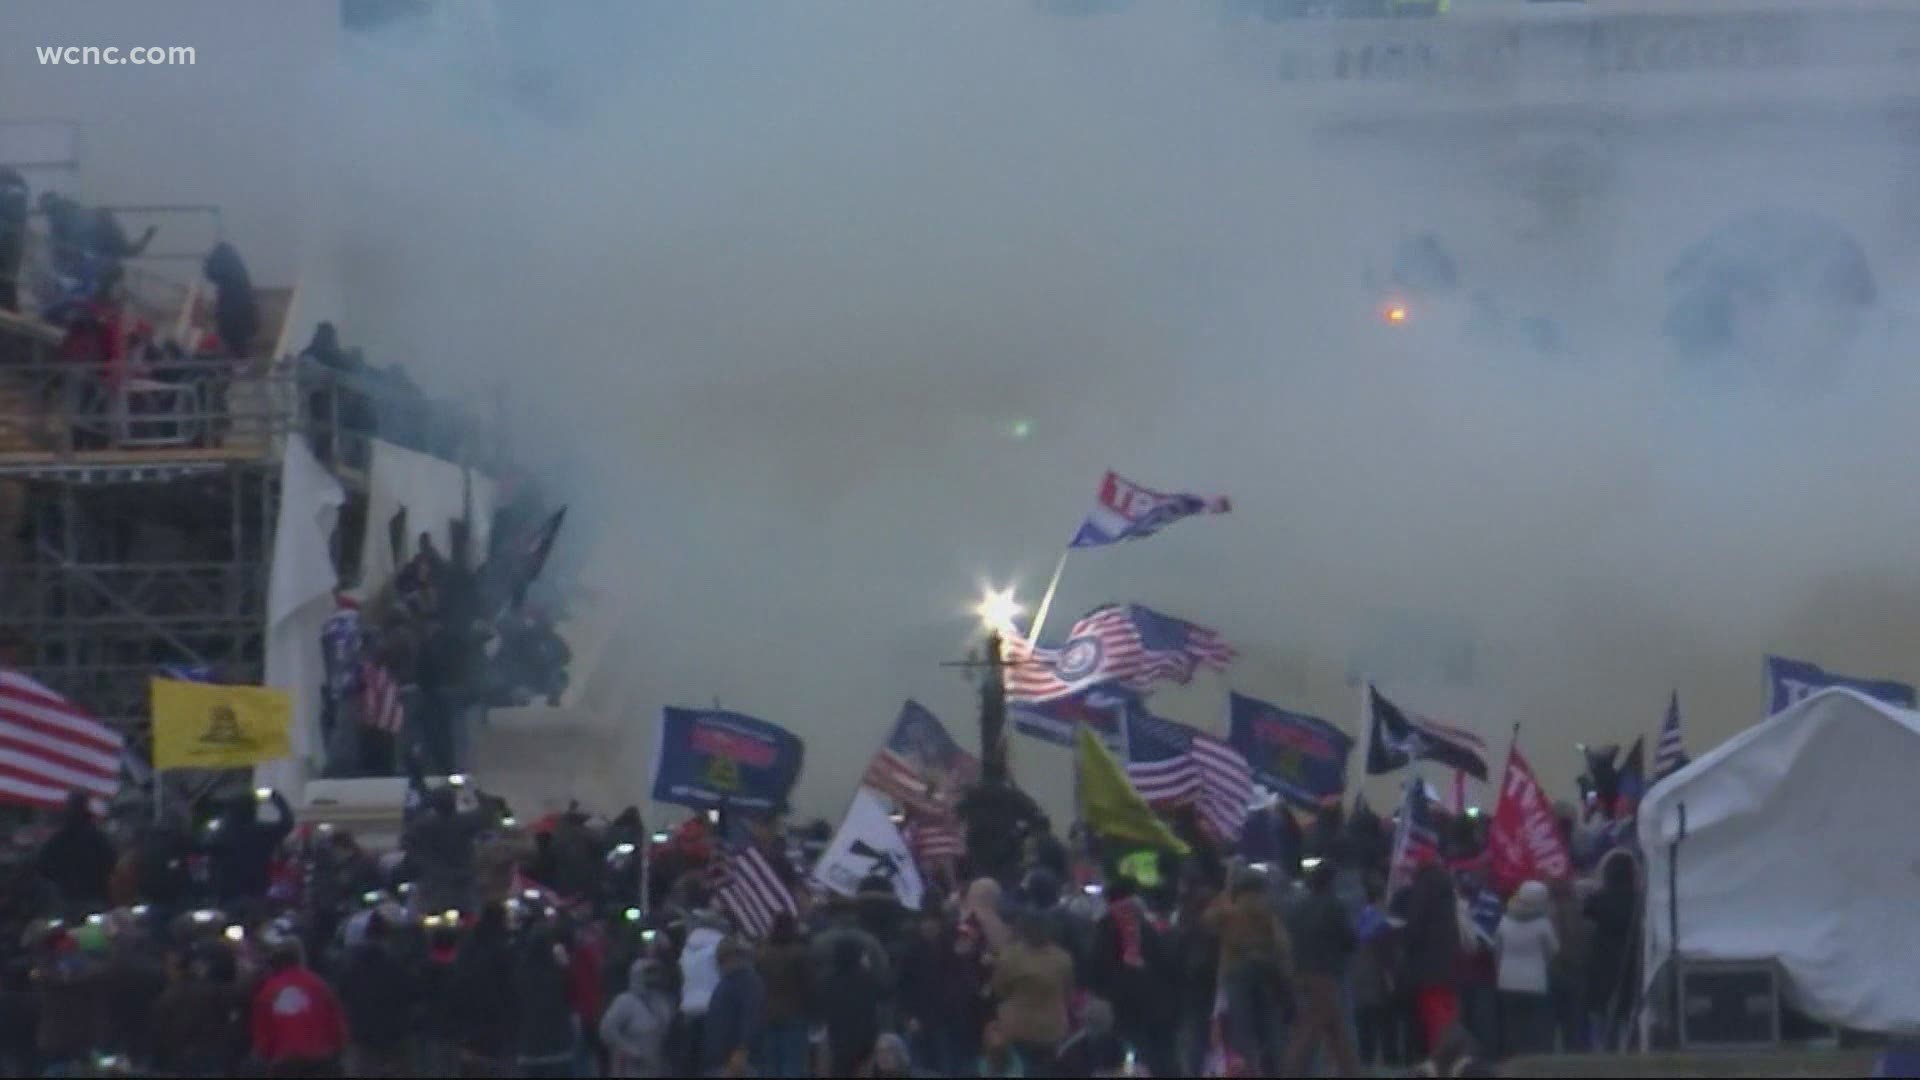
1799 849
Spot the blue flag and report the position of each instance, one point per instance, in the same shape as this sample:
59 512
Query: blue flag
711 759
1301 758
1101 708
1791 681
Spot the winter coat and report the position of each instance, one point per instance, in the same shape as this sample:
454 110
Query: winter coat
699 969
1033 985
546 1027
296 1018
733 1017
194 1027
1323 938
1525 941
635 1026
483 989
78 859
379 995
1250 933
787 973
1432 939
849 1005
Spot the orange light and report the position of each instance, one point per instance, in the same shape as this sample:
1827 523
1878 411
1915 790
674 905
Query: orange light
1396 313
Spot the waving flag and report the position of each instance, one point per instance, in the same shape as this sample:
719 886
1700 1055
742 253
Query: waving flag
50 747
1399 737
380 704
1789 681
1100 709
934 840
751 891
1524 840
1132 646
1632 782
1670 756
1126 511
1110 806
1302 758
921 767
1172 764
1416 840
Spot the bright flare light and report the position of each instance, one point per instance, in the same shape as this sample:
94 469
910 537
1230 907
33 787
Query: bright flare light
997 609
1396 313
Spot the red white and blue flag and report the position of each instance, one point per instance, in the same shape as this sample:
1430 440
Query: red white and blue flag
921 767
752 892
1128 645
380 706
1416 840
1103 709
1670 756
1171 764
1126 511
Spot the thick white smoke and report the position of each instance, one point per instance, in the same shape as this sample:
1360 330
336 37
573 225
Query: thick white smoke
840 311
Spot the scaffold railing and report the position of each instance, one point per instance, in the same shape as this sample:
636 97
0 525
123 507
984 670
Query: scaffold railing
70 417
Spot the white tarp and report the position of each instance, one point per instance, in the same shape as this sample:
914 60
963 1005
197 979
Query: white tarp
299 599
431 491
1799 848
869 843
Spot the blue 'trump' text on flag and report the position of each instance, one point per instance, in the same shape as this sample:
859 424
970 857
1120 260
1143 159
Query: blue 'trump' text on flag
1127 511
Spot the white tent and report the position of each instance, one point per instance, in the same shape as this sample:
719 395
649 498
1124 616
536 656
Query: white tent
1800 848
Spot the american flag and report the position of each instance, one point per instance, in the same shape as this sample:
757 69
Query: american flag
934 840
1416 842
49 747
1171 764
380 705
921 767
752 892
1670 756
1131 645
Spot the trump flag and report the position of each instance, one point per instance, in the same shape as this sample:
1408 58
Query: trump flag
711 759
1525 840
1790 681
1299 757
1124 510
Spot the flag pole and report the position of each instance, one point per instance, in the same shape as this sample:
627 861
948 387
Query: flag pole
1046 599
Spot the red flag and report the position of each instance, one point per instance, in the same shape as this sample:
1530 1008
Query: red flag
1525 840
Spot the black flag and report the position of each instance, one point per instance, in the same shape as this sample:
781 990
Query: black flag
533 558
1398 738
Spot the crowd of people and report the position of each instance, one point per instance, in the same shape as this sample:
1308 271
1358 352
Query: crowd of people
243 942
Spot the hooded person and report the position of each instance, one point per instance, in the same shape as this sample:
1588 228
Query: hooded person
236 314
1525 943
78 858
635 1026
378 993
699 975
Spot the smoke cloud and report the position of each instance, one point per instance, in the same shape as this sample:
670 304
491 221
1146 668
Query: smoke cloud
826 315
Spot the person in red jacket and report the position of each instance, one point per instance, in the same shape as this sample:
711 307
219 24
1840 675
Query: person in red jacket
299 1028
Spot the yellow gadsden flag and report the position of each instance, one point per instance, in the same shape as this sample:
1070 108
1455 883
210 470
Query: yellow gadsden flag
1109 804
204 726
